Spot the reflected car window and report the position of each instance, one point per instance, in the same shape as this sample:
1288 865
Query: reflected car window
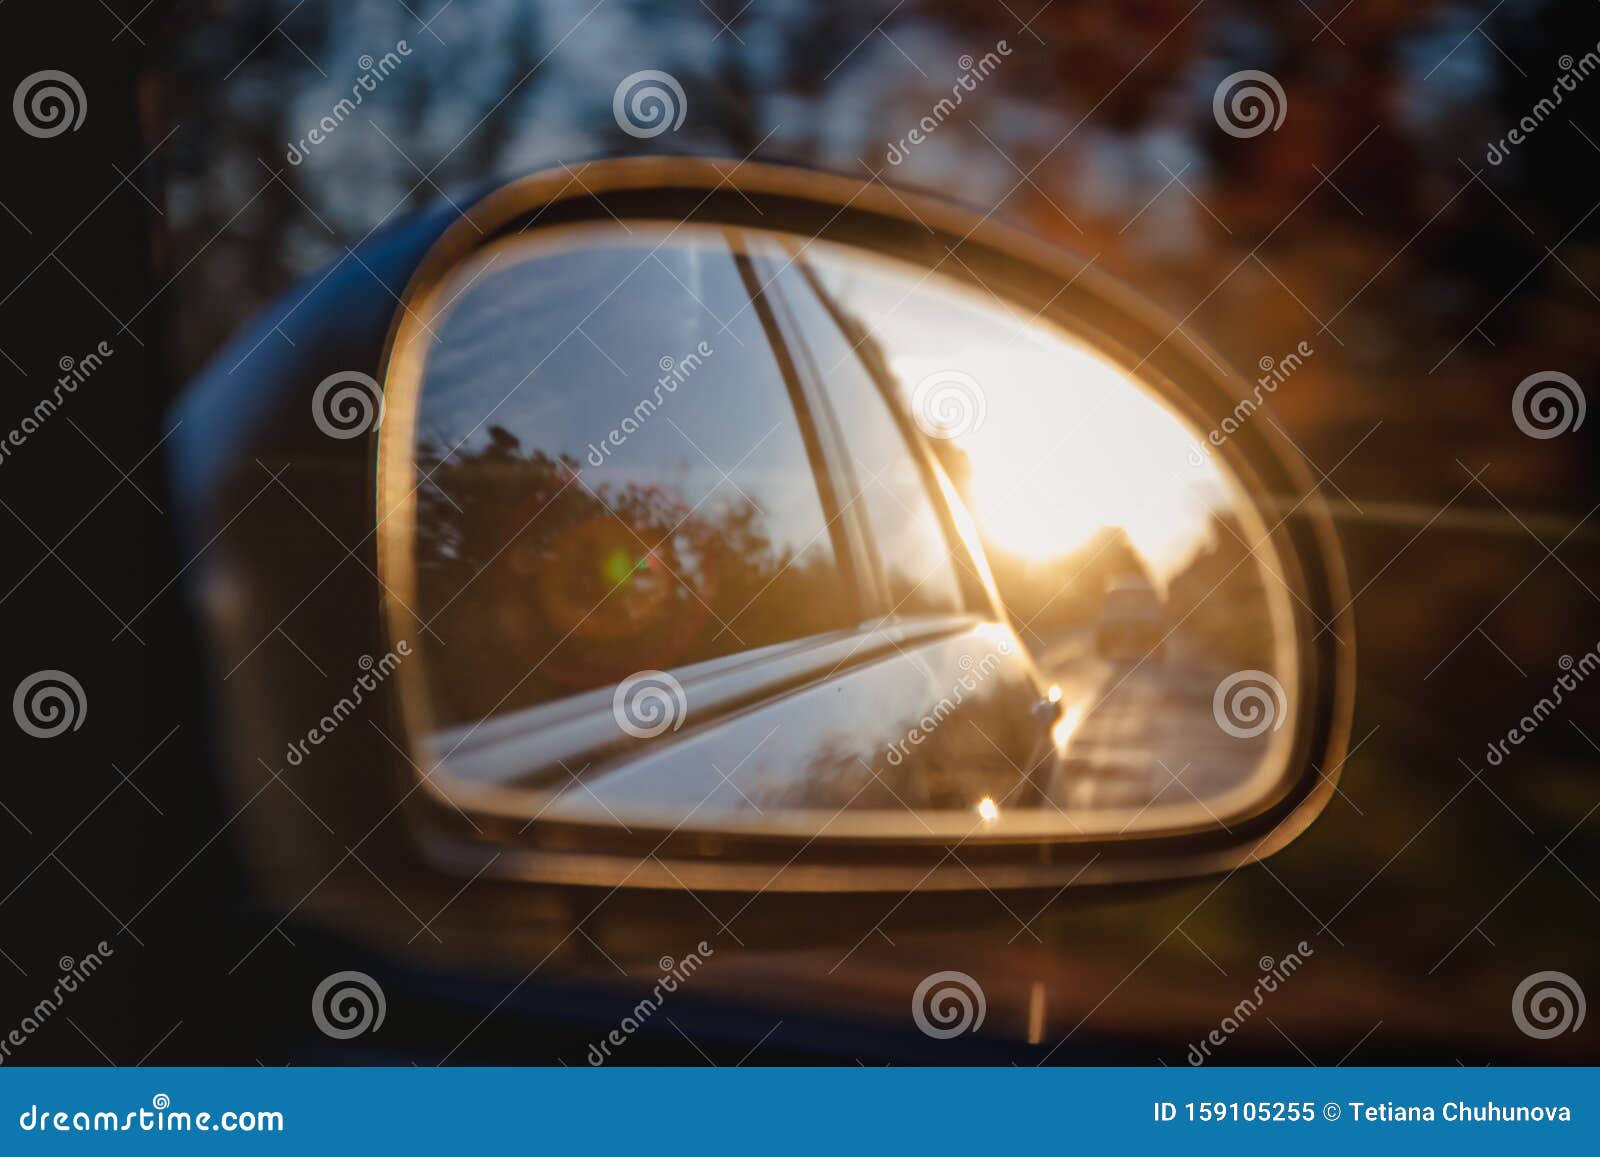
613 472
888 484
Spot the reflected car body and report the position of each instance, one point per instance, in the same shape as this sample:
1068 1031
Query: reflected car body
759 557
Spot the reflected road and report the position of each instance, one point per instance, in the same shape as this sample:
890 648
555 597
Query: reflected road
1142 733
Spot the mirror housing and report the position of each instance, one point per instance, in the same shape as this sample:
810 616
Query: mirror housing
292 531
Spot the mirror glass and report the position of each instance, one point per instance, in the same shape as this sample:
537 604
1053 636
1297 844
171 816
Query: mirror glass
701 528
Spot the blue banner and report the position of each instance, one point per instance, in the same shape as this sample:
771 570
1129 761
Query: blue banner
802 1111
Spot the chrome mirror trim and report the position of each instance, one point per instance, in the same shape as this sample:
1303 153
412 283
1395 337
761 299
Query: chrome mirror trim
1057 283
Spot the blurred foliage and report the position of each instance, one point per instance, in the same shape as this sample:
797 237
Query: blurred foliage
1370 225
1083 133
545 586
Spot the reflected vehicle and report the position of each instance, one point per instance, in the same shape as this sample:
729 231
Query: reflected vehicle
1132 626
730 539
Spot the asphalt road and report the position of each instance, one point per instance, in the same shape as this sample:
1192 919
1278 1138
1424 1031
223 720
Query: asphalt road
1142 732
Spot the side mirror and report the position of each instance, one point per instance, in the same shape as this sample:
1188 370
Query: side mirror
715 527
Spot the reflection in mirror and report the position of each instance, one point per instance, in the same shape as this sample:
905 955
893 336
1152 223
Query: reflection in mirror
578 521
710 529
1130 562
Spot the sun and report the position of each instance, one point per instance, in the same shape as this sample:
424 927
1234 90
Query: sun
1069 445
1056 442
